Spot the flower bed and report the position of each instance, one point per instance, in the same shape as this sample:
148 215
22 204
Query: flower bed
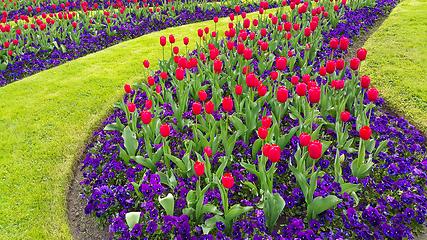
170 164
31 47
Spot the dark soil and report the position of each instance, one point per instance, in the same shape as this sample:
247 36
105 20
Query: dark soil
86 227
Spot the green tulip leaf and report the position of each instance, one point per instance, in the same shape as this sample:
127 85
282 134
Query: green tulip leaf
168 203
321 204
132 218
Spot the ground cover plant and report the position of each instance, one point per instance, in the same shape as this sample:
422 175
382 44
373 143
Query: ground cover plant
261 158
400 58
36 42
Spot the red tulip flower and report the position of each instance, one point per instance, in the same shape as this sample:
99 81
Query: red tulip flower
264 46
6 44
255 22
301 89
197 108
361 54
304 139
266 122
274 153
246 23
186 40
148 104
146 64
334 43
262 132
202 95
365 81
281 63
250 80
150 81
10 53
274 75
217 66
199 168
240 48
372 94
162 40
315 149
230 45
171 39
340 64
227 104
365 132
208 151
179 74
294 80
146 116
158 89
127 88
282 94
247 53
307 32
176 50
314 94
322 71
306 78
266 149
354 64
345 116
237 9
215 19
330 66
228 180
262 90
209 107
239 90
131 107
206 30
344 42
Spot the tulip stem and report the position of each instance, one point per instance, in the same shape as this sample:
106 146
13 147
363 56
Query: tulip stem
312 119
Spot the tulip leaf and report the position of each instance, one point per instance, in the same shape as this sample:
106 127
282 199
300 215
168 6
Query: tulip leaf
286 138
124 155
380 148
136 187
132 218
210 223
168 203
238 124
131 144
273 207
315 134
313 186
158 155
256 147
254 189
117 126
301 179
209 208
220 170
146 163
321 204
235 211
177 161
349 187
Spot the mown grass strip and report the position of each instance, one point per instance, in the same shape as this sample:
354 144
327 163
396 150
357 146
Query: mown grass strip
396 62
46 118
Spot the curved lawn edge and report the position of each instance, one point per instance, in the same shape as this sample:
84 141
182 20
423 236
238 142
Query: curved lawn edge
396 61
46 119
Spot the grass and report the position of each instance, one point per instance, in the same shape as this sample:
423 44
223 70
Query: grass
397 61
46 118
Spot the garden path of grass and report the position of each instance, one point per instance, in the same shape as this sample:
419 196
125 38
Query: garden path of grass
46 118
397 61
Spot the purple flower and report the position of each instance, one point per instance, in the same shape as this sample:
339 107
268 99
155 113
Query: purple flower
152 227
136 230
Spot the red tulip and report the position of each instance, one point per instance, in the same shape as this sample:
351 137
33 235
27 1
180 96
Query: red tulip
281 63
148 104
266 150
345 116
344 42
10 53
213 34
162 40
176 50
150 81
306 78
250 80
146 64
215 19
165 130
255 22
314 94
197 108
361 54
262 132
247 53
290 53
313 25
304 139
373 94
301 89
322 71
146 116
365 81
179 74
365 132
209 107
131 107
354 64
206 30
282 94
274 153
171 39
128 88
158 89
296 26
330 66
245 70
227 104
217 66
228 180
294 80
237 9
246 23
202 95
274 75
243 15
208 151
262 90
315 149
307 32
311 85
15 41
240 48
340 64
6 44
199 168
266 122
264 46
274 20
239 90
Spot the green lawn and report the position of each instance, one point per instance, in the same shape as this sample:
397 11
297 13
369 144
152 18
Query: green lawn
46 118
397 61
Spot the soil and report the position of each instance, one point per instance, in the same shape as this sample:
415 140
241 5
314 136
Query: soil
86 227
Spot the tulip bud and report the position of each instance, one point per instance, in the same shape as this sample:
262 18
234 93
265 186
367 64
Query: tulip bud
373 94
199 168
227 104
146 64
304 139
262 90
217 66
345 116
274 75
247 53
330 66
228 180
314 94
266 150
162 40
282 94
179 74
164 130
239 90
354 64
197 108
365 132
208 151
322 71
158 89
306 78
148 104
209 107
361 54
281 63
315 149
307 32
146 116
301 89
262 132
131 107
365 81
294 80
344 42
246 23
274 153
266 122
128 88
171 39
202 95
340 64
